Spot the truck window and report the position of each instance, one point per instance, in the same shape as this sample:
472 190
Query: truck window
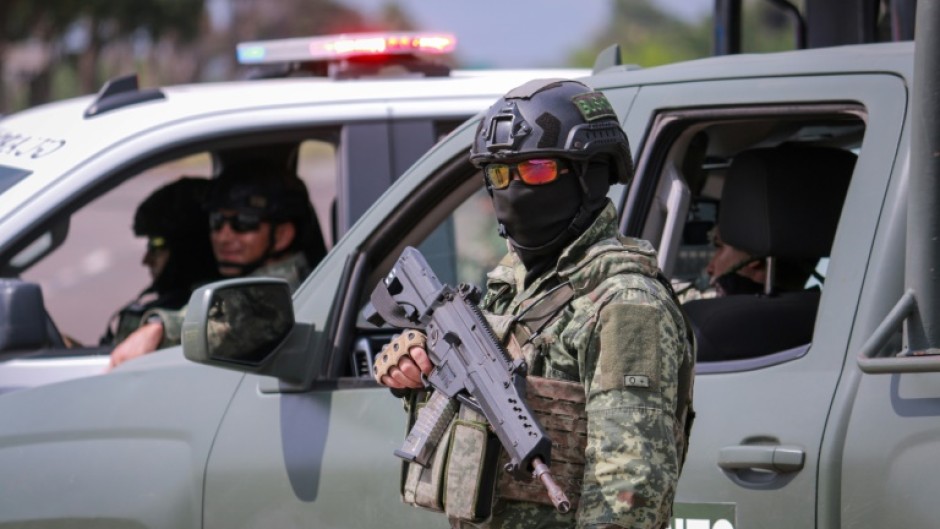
462 248
9 176
317 167
98 267
466 245
743 210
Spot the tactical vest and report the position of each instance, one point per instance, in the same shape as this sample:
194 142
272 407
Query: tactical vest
463 479
559 406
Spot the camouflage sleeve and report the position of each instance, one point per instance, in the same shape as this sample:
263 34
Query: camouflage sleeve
499 291
631 360
172 324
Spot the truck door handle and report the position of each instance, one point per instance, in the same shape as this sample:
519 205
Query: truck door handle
773 458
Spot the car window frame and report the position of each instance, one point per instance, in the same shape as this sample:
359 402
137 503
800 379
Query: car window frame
866 95
56 220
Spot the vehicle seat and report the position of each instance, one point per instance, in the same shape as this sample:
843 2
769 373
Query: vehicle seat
782 202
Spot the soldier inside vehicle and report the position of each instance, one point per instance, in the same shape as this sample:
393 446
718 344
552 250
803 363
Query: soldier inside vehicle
781 206
260 223
761 199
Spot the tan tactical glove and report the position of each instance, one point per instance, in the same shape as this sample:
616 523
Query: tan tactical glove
394 350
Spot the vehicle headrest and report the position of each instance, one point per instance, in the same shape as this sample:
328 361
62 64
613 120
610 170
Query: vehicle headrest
785 201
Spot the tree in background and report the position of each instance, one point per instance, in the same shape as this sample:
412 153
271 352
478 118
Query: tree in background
70 47
650 36
61 48
23 21
125 25
70 37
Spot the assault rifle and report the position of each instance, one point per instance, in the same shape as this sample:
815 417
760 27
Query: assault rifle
470 366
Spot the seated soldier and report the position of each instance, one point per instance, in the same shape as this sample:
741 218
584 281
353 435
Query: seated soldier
733 271
178 253
779 212
261 223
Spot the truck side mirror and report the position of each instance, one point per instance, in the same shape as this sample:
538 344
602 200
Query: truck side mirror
245 324
24 325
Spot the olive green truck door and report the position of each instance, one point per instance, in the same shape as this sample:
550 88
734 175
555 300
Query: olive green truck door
804 439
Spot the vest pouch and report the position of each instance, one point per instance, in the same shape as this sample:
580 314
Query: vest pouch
461 476
470 478
423 486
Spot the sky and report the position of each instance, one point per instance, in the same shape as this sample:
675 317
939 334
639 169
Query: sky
519 33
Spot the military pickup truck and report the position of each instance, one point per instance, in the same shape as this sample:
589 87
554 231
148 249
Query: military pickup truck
815 408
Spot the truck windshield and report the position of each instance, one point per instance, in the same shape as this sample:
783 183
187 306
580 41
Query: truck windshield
9 176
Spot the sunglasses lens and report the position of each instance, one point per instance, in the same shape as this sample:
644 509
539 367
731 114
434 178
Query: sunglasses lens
155 244
538 172
240 223
246 222
216 220
498 174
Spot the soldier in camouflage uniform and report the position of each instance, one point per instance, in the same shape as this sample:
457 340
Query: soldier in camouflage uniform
261 223
606 344
179 258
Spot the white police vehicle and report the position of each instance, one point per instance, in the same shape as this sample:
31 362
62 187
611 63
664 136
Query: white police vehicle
348 113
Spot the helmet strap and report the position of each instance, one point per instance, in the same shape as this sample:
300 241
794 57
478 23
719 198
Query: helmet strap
586 213
244 268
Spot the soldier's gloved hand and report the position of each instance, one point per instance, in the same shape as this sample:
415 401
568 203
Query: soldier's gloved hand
402 361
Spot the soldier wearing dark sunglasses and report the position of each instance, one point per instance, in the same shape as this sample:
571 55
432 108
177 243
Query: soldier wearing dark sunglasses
260 223
588 310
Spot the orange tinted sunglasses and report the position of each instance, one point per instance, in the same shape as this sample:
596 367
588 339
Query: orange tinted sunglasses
533 172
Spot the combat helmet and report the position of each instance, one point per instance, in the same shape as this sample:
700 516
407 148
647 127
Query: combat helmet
258 188
558 118
173 217
273 194
173 210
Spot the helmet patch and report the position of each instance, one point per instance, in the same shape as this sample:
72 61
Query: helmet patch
257 202
593 105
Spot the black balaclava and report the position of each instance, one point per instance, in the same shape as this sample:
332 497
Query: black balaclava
791 276
540 221
731 283
734 283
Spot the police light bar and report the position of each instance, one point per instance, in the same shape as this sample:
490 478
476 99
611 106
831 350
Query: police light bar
336 47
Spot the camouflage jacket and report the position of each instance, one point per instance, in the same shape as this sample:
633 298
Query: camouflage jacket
128 318
293 269
624 338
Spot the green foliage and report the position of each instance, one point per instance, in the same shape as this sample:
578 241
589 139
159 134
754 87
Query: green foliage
258 20
649 36
64 81
155 18
74 33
